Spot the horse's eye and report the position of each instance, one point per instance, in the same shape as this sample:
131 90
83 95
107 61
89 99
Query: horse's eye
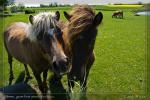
58 32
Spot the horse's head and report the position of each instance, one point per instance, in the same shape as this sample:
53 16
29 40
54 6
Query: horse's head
46 33
82 27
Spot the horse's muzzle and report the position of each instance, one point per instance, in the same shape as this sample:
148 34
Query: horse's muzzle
61 67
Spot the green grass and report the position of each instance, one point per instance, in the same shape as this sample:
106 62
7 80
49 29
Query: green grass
1 53
120 55
120 49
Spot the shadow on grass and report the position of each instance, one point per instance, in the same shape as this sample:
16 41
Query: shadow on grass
19 90
23 91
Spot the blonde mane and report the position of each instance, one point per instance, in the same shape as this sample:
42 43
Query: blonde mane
42 22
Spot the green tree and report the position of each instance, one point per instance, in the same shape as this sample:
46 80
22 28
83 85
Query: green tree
4 3
21 7
140 3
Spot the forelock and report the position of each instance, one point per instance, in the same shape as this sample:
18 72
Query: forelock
42 22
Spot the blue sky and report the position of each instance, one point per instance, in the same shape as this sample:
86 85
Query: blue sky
34 2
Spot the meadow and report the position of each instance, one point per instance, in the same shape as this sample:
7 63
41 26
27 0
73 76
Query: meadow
120 49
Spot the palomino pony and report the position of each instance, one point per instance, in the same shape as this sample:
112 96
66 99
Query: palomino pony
118 14
36 44
79 36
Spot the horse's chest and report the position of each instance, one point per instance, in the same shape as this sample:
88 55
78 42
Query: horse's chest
35 59
39 64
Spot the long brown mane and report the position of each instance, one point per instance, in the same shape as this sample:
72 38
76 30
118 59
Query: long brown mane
77 24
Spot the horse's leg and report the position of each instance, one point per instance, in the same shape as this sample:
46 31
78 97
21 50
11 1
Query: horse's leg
27 73
39 81
83 81
44 80
11 77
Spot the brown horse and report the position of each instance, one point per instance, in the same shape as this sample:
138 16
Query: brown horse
36 44
118 14
79 35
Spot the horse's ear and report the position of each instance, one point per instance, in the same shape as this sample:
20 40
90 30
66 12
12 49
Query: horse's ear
98 19
31 19
57 15
67 16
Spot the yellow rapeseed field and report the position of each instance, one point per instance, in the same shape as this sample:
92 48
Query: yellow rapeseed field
127 6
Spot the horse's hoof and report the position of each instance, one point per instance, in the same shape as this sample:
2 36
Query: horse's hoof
10 83
10 80
45 87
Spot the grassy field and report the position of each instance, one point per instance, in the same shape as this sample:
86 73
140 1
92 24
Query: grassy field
120 49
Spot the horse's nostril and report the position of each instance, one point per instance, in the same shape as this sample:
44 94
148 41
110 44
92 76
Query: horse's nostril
61 66
67 61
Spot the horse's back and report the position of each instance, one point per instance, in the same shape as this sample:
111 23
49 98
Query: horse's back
14 36
16 31
19 46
